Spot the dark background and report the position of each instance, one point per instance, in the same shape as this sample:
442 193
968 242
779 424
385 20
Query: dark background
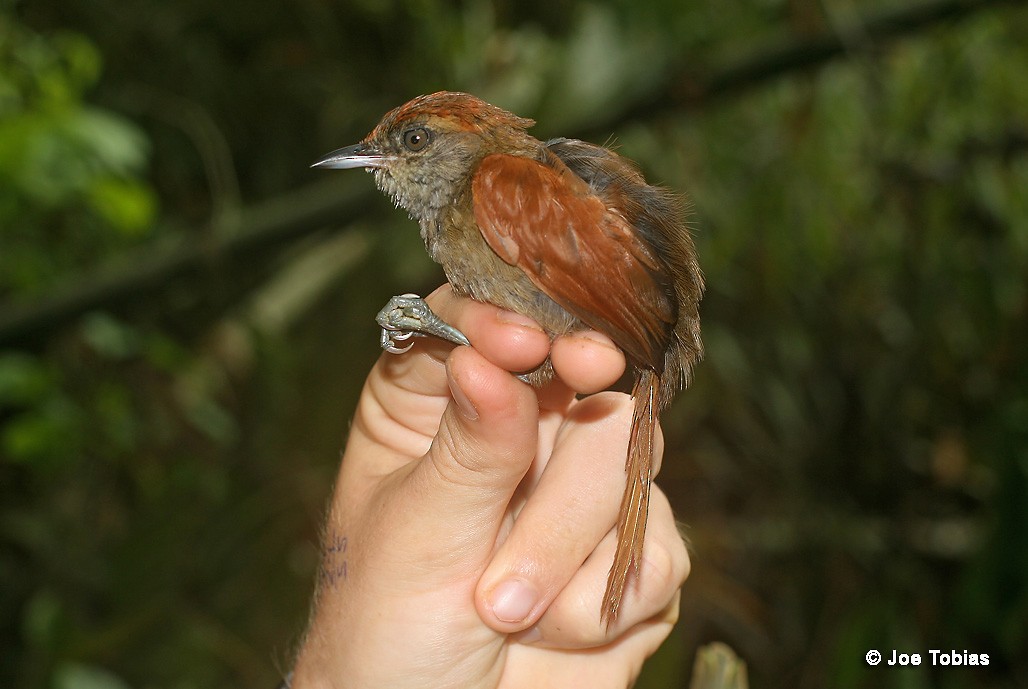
186 314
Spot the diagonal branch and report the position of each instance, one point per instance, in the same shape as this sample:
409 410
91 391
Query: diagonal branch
265 227
687 89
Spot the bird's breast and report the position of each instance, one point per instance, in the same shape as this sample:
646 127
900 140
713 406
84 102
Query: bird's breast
474 270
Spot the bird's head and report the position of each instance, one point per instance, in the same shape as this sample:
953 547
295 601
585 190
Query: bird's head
424 152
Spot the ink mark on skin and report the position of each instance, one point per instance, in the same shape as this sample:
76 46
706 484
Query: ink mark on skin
333 564
336 545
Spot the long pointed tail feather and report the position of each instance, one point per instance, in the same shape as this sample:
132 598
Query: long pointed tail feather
636 501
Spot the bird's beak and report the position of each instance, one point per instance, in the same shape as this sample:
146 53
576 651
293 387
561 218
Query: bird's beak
358 155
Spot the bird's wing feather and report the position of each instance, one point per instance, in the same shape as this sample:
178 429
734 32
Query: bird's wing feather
585 256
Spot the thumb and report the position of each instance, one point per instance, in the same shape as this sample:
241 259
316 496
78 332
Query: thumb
486 442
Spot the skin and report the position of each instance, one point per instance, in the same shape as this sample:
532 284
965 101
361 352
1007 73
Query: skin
471 529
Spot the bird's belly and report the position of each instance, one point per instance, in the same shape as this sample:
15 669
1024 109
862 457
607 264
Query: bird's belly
509 288
475 271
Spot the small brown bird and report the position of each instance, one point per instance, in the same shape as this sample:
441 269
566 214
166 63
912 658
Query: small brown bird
566 232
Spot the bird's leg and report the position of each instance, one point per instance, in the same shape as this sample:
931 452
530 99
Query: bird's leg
408 315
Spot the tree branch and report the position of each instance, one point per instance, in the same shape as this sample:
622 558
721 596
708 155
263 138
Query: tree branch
258 229
687 89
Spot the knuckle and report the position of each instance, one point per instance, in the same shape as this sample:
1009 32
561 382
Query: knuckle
673 611
455 460
665 567
589 632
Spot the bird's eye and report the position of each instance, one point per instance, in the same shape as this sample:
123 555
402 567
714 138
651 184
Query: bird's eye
416 139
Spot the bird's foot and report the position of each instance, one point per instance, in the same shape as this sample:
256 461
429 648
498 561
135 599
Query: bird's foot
408 315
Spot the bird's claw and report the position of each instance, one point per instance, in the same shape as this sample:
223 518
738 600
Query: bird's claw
389 338
408 315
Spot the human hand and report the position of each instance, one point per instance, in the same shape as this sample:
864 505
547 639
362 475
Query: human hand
472 525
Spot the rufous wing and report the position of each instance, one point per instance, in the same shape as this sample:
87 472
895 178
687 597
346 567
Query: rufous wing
585 256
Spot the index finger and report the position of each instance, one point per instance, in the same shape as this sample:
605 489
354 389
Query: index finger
587 361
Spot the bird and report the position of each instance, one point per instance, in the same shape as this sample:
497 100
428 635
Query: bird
566 232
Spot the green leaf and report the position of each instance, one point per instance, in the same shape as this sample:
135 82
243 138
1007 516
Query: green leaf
83 62
109 336
113 142
78 676
129 206
23 379
44 436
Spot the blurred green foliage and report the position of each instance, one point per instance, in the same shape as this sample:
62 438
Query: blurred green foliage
69 172
852 458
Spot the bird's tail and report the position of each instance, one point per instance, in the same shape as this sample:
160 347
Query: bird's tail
636 501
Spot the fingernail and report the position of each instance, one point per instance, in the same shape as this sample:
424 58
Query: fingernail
460 398
513 600
595 337
515 318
